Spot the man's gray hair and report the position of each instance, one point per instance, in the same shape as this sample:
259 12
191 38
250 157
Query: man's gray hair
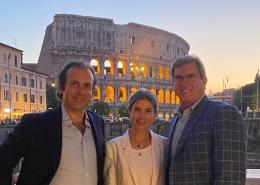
188 59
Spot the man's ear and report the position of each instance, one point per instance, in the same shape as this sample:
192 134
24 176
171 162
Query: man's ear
60 88
204 80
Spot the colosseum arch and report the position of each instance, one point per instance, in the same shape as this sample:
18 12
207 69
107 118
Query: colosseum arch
108 67
96 65
97 95
161 96
160 115
167 73
133 90
167 116
168 96
109 94
152 71
133 69
153 91
143 70
122 95
121 68
174 98
161 72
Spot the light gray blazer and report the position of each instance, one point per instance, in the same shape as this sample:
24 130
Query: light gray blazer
119 164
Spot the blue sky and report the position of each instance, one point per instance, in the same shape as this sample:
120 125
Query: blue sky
224 33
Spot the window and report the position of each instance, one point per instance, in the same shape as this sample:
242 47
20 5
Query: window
15 61
16 96
24 97
132 40
167 47
32 98
152 44
16 80
6 95
40 99
32 83
40 84
6 78
23 81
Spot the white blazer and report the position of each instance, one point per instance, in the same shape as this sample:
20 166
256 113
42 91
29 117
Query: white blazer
119 163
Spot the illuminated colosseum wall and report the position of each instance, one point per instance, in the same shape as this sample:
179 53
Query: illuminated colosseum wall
125 57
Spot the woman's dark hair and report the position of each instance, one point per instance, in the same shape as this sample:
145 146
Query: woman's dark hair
142 94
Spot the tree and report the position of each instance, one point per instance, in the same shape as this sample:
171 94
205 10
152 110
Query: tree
257 87
122 111
51 98
100 107
247 93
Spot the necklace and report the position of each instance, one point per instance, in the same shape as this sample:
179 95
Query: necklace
139 144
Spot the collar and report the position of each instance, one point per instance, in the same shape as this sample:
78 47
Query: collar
179 111
66 120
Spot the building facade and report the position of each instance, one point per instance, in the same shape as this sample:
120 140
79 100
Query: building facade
125 57
226 95
21 90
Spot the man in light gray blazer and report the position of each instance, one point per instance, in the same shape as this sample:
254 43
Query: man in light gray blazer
207 139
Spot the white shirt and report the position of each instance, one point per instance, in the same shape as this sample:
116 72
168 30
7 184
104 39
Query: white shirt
144 165
78 163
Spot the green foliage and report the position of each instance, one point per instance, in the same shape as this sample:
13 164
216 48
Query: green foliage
248 99
51 98
100 107
122 111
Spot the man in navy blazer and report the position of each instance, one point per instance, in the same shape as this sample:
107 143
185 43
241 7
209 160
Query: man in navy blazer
207 139
61 146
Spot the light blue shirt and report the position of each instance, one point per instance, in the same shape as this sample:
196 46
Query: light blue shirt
78 163
184 117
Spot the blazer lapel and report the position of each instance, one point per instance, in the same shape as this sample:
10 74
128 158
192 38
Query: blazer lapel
156 153
193 120
126 150
170 137
53 123
94 130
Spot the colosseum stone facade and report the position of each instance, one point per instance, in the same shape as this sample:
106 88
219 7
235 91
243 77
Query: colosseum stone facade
125 57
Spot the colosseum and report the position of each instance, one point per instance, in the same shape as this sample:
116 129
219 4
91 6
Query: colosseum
125 57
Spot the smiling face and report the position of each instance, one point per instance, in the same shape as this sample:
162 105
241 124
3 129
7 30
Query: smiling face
77 92
142 115
189 86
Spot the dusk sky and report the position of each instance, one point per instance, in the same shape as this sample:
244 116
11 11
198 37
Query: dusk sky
225 34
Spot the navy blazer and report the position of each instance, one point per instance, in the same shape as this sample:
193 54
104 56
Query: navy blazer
38 140
212 148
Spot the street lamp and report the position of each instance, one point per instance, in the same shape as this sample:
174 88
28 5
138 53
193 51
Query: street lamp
136 72
225 80
257 89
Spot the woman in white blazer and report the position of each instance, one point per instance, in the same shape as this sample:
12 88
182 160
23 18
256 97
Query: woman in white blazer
137 157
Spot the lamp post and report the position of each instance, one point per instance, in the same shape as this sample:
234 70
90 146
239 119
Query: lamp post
241 103
137 72
225 80
257 89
